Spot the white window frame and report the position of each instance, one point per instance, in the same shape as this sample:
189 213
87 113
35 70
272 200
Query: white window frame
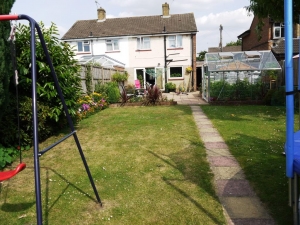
114 45
181 77
142 43
278 27
84 46
175 41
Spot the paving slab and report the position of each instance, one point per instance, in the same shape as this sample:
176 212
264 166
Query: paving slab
222 161
244 207
225 172
234 188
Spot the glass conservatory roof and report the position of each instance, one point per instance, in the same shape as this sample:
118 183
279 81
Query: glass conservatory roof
103 60
241 61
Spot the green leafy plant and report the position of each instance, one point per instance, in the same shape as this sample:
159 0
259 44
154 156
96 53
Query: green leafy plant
153 96
119 77
65 65
7 155
170 87
89 79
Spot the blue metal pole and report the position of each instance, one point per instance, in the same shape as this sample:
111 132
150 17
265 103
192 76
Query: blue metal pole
288 22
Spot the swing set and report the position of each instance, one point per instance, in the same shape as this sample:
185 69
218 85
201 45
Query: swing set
34 27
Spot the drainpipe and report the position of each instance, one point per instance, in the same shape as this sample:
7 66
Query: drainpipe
165 54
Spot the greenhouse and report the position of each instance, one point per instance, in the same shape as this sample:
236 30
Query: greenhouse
238 75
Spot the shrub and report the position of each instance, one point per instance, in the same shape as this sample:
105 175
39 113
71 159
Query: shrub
7 155
153 96
119 77
89 104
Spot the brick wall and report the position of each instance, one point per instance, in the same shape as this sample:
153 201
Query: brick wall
251 42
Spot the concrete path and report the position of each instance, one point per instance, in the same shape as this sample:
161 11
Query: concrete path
241 205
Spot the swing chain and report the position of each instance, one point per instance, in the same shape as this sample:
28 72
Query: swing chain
12 39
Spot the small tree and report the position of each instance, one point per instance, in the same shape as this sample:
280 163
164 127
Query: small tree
66 68
201 56
50 109
234 43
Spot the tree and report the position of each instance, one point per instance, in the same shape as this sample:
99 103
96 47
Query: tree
234 43
273 9
50 109
5 56
201 56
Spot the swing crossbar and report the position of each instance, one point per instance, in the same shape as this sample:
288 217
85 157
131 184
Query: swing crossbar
56 143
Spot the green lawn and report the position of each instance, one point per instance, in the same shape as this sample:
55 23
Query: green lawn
255 135
149 167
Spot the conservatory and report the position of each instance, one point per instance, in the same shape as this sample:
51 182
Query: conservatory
238 75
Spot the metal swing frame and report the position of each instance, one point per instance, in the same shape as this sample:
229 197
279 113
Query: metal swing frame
35 27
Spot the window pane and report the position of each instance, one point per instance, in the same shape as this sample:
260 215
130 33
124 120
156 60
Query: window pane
179 41
116 44
79 45
86 48
175 72
172 43
277 32
109 46
138 43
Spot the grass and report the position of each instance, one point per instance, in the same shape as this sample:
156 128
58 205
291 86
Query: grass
148 164
255 135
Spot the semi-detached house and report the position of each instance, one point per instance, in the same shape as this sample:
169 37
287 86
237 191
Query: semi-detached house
159 48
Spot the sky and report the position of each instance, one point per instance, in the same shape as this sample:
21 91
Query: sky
209 14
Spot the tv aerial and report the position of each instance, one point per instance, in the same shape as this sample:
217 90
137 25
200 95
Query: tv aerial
98 5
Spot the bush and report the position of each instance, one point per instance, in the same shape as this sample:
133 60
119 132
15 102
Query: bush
111 90
153 96
119 77
7 155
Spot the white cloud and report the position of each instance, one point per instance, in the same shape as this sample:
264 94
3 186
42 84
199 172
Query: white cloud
234 23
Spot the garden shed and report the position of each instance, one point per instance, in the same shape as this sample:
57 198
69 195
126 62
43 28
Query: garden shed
238 75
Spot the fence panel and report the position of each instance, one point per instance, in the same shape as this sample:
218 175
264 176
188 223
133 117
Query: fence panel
99 74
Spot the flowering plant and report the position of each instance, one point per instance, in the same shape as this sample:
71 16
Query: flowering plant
89 104
189 69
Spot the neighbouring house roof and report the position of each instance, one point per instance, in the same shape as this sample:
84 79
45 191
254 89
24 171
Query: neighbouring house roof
246 33
241 61
226 49
279 47
132 26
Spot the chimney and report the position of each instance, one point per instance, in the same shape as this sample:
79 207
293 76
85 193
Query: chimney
166 10
101 14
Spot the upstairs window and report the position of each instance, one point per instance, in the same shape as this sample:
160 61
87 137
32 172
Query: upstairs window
112 45
175 41
143 43
278 30
83 46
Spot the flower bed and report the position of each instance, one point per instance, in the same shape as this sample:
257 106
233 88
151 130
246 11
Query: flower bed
89 104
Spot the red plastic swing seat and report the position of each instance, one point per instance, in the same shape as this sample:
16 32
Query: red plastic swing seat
5 175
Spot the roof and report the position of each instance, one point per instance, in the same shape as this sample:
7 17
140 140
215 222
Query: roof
246 33
241 61
132 26
280 46
103 60
225 49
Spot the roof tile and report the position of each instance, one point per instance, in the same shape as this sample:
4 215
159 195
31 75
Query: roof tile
142 25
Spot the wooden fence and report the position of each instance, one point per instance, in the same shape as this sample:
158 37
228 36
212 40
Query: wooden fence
99 75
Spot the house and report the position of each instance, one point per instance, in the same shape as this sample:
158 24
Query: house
272 38
153 49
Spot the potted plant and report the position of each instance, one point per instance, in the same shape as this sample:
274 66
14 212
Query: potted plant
188 70
170 87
